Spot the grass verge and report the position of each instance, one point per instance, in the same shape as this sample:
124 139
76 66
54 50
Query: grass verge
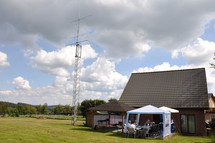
27 130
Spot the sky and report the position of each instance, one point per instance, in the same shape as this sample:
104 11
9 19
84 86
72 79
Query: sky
37 51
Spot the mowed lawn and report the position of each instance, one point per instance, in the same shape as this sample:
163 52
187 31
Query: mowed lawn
27 130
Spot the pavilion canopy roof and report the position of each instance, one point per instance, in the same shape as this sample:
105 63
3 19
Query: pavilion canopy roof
169 109
149 109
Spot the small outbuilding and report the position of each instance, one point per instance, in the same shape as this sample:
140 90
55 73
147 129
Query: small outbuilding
116 112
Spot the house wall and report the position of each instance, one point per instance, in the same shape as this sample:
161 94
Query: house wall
209 113
90 119
200 128
208 116
211 110
211 102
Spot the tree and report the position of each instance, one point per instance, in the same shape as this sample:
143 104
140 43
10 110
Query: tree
58 110
11 110
39 109
33 110
44 109
27 109
112 99
67 110
3 108
87 104
21 109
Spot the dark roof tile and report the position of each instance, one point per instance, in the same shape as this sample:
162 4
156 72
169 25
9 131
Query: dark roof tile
176 89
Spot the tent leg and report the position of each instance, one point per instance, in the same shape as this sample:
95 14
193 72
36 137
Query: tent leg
122 122
109 119
127 116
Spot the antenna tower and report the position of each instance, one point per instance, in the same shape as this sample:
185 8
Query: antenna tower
76 83
77 70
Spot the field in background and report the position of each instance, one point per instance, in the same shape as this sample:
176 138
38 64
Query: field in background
57 117
27 130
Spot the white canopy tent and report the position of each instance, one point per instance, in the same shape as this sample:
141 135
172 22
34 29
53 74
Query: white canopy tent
169 109
173 111
149 109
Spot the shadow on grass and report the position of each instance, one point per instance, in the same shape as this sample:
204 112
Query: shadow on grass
122 135
83 128
113 134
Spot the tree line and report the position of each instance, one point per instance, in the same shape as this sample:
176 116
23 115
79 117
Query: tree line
26 109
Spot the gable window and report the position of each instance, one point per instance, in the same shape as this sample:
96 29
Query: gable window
188 124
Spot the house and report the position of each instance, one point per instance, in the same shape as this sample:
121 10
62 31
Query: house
184 90
210 114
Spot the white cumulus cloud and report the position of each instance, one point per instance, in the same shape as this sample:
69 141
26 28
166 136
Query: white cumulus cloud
199 52
101 77
58 62
3 59
20 83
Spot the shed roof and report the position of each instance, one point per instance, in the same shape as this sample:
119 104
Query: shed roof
114 106
175 89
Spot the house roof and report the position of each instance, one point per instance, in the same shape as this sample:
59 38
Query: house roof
114 106
175 89
210 95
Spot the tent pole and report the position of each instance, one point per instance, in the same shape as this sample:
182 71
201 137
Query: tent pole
138 119
163 125
122 122
126 123
109 119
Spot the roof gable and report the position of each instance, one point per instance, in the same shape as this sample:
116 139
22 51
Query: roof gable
211 100
175 89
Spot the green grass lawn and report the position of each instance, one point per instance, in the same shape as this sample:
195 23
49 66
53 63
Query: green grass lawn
27 130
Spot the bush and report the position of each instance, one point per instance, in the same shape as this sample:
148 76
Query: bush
14 115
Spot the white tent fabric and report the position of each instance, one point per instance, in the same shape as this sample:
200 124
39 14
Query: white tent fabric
149 109
169 109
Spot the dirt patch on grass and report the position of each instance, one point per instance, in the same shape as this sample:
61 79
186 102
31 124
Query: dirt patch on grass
41 117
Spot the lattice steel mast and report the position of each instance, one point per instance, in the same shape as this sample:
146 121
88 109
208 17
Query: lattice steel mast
76 84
